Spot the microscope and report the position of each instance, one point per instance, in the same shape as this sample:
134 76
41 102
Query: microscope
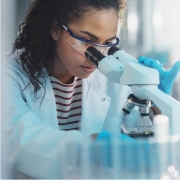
120 67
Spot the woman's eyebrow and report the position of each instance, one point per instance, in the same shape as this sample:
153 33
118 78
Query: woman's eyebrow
111 38
90 34
95 37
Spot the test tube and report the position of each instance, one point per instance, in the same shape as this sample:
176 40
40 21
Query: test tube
118 159
161 123
72 160
87 162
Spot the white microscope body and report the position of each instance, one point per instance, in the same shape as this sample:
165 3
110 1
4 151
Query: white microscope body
121 67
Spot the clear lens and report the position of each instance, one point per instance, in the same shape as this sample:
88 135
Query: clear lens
77 45
81 46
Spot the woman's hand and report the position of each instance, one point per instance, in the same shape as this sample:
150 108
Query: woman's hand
166 77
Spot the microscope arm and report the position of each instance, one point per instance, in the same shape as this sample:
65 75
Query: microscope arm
168 106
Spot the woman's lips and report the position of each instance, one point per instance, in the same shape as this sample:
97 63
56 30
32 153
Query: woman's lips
88 69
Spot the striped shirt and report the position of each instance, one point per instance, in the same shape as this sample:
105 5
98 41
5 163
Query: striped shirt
68 103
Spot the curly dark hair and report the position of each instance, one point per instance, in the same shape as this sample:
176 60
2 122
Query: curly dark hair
35 46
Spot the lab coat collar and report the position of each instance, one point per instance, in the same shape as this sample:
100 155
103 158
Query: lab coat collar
94 78
95 105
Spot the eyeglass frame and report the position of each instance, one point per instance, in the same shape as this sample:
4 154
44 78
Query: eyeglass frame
88 41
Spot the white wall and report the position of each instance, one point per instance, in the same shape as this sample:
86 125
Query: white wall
153 26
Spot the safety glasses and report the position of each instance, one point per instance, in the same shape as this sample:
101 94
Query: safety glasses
81 44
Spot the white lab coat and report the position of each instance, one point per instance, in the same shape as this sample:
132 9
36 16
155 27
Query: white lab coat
32 139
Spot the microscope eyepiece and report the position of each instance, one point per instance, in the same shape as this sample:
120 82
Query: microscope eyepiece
94 55
112 50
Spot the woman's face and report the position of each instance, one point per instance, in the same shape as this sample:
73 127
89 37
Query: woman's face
97 26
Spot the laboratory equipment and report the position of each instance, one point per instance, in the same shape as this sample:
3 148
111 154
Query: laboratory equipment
120 67
139 159
154 158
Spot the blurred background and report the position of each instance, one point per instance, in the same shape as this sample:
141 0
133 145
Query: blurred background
152 29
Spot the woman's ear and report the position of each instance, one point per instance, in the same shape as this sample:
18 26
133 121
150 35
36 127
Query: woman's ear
55 31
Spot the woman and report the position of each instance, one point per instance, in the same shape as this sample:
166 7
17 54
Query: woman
53 93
